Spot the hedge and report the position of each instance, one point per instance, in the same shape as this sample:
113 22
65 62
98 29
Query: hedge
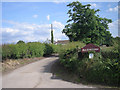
25 50
104 68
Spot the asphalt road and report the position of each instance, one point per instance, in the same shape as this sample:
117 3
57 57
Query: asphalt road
37 75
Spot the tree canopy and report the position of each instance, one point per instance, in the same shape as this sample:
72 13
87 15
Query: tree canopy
85 25
20 42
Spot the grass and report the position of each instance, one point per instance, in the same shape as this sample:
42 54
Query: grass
61 72
106 48
10 65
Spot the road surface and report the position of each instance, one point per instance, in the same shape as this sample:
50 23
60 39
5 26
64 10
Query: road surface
37 75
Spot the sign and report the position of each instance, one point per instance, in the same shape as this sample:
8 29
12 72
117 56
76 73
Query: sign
91 55
90 47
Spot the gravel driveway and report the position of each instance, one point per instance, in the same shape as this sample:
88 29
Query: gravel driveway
37 75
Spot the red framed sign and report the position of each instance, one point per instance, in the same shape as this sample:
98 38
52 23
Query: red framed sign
90 47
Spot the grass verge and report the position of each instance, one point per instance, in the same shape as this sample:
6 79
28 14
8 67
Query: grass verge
61 72
10 64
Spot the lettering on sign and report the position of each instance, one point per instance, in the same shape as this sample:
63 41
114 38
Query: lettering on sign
90 47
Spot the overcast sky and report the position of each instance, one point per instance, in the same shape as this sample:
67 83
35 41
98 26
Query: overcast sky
30 21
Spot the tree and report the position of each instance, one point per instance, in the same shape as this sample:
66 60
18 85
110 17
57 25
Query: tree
51 35
20 42
85 25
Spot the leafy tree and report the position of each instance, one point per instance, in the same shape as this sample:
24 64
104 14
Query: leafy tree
51 35
20 42
85 25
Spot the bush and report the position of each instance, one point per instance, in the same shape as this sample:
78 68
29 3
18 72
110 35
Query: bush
69 55
35 49
103 68
0 53
56 48
7 51
20 51
48 49
25 50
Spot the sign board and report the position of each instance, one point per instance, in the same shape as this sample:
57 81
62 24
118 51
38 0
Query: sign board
91 55
90 47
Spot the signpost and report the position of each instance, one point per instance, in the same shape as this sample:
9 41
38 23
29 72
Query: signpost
90 47
91 55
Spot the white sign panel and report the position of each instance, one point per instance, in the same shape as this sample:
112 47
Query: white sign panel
91 55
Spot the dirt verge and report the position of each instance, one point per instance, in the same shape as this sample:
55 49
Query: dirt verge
12 64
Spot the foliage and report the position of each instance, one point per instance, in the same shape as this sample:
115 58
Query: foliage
56 48
0 53
7 51
85 25
25 50
68 54
20 42
103 68
48 49
36 49
52 36
116 42
72 45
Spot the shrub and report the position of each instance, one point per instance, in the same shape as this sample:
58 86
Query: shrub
7 51
103 68
36 49
69 55
25 50
20 51
48 49
56 48
0 53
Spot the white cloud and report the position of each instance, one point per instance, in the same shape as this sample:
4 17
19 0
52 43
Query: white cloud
113 28
113 9
35 16
10 31
58 25
110 9
93 5
48 17
59 1
57 28
31 32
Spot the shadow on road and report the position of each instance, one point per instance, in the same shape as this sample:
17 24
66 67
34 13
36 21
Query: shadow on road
48 68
